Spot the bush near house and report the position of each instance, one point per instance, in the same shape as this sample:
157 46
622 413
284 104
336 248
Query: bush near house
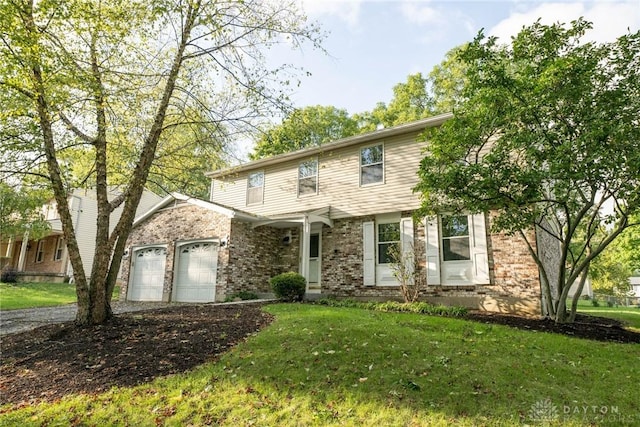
289 286
9 275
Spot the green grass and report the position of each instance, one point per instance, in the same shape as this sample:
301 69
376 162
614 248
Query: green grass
629 315
29 295
318 366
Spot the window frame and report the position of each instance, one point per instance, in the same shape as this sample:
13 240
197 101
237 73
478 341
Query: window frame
250 187
39 252
442 238
57 254
378 242
315 177
368 165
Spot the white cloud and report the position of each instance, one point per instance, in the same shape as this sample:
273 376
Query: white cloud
610 19
420 14
345 10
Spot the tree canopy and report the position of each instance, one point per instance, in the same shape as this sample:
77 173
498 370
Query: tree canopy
21 211
118 87
305 127
546 136
411 101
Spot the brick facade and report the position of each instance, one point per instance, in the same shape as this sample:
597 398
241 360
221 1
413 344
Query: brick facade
252 255
171 226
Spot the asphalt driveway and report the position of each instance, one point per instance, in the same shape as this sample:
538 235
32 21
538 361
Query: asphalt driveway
12 321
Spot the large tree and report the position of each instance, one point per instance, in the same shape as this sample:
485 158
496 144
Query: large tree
305 127
113 74
547 137
411 101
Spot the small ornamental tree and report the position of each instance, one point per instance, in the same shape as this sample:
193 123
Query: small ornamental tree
547 137
412 282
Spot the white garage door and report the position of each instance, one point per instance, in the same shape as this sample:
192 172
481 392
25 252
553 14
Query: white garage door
196 278
148 274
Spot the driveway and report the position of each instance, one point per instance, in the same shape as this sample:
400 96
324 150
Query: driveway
12 321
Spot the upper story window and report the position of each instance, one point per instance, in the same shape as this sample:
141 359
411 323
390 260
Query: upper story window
308 177
372 165
50 211
255 188
455 238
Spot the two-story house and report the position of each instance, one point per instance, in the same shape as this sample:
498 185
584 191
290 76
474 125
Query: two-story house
47 259
331 213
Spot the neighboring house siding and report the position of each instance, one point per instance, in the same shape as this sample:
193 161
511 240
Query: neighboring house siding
338 180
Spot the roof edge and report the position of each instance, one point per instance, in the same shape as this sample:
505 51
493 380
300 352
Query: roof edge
345 142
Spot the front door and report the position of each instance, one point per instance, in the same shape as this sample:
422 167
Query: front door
313 284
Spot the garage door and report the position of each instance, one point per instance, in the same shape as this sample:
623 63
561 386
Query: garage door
148 274
196 277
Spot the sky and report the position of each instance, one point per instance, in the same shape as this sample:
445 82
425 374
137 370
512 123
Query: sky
373 45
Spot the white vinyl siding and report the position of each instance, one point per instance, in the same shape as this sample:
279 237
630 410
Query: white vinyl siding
338 185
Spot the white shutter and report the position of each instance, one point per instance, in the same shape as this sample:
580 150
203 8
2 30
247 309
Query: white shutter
369 251
433 250
406 231
479 249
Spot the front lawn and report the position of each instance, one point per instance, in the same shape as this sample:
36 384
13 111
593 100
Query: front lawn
29 295
630 316
319 365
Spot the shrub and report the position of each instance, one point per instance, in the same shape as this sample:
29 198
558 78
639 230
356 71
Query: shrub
9 275
289 286
243 295
595 303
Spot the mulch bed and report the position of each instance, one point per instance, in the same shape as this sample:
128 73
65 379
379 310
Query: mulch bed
55 360
52 361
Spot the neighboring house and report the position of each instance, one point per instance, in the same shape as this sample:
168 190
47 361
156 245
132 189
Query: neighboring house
635 284
330 213
587 290
47 259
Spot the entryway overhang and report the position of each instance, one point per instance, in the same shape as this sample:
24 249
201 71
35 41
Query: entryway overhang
294 219
305 220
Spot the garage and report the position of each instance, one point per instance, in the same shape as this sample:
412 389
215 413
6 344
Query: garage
196 273
147 280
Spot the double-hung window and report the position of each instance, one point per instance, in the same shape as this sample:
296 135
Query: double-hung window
255 188
455 238
57 255
388 239
308 177
372 164
40 251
